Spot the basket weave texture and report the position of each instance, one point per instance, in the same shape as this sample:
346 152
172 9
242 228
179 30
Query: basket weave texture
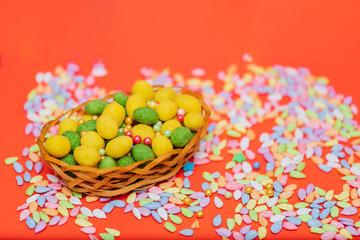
121 180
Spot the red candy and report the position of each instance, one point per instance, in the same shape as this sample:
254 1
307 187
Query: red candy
128 133
147 141
137 139
180 118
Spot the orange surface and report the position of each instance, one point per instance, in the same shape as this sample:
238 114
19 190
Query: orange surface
127 35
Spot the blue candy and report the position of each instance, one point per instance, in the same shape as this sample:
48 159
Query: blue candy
186 183
217 220
245 198
41 200
152 205
319 200
188 173
256 165
215 175
27 177
205 186
295 220
18 167
42 189
118 203
276 227
314 223
189 166
156 216
187 232
19 180
195 208
108 207
30 223
166 195
329 204
325 168
325 213
278 187
252 234
315 213
315 205
29 165
345 164
163 201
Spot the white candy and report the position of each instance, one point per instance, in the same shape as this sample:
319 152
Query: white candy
136 213
297 159
52 178
277 218
86 211
267 143
99 213
201 155
299 133
74 200
333 165
285 161
218 202
309 152
237 194
264 137
154 196
272 201
239 175
244 143
332 157
256 185
355 170
303 211
162 213
275 97
32 198
246 167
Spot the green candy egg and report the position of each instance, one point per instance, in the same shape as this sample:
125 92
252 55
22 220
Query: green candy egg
69 159
146 115
74 139
121 98
125 161
142 152
180 136
87 126
107 162
95 107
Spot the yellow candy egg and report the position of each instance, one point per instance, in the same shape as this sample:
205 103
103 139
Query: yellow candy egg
119 146
188 103
116 111
57 146
92 139
167 93
193 120
166 110
86 118
134 102
144 89
143 131
87 156
171 125
107 127
161 145
67 125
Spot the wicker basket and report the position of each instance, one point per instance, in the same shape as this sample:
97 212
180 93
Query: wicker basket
121 180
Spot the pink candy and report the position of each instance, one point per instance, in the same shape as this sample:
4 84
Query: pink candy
289 226
234 186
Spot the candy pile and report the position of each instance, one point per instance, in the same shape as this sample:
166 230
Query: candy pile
313 124
103 137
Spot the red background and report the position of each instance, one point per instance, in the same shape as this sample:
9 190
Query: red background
182 35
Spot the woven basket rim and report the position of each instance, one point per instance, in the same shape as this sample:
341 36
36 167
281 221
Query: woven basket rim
86 179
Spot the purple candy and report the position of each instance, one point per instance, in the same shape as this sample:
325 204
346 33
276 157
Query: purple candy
349 211
349 151
49 193
38 167
263 150
204 202
55 220
174 210
310 188
352 230
221 191
290 168
197 195
104 199
269 157
244 230
25 152
144 211
244 211
223 232
40 226
52 199
318 151
141 196
129 208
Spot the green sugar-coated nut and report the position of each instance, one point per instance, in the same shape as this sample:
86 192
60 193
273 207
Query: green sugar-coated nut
180 136
142 152
87 126
107 162
121 98
125 161
74 138
95 107
69 159
146 115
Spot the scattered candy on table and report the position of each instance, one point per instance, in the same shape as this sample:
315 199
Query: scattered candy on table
314 124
